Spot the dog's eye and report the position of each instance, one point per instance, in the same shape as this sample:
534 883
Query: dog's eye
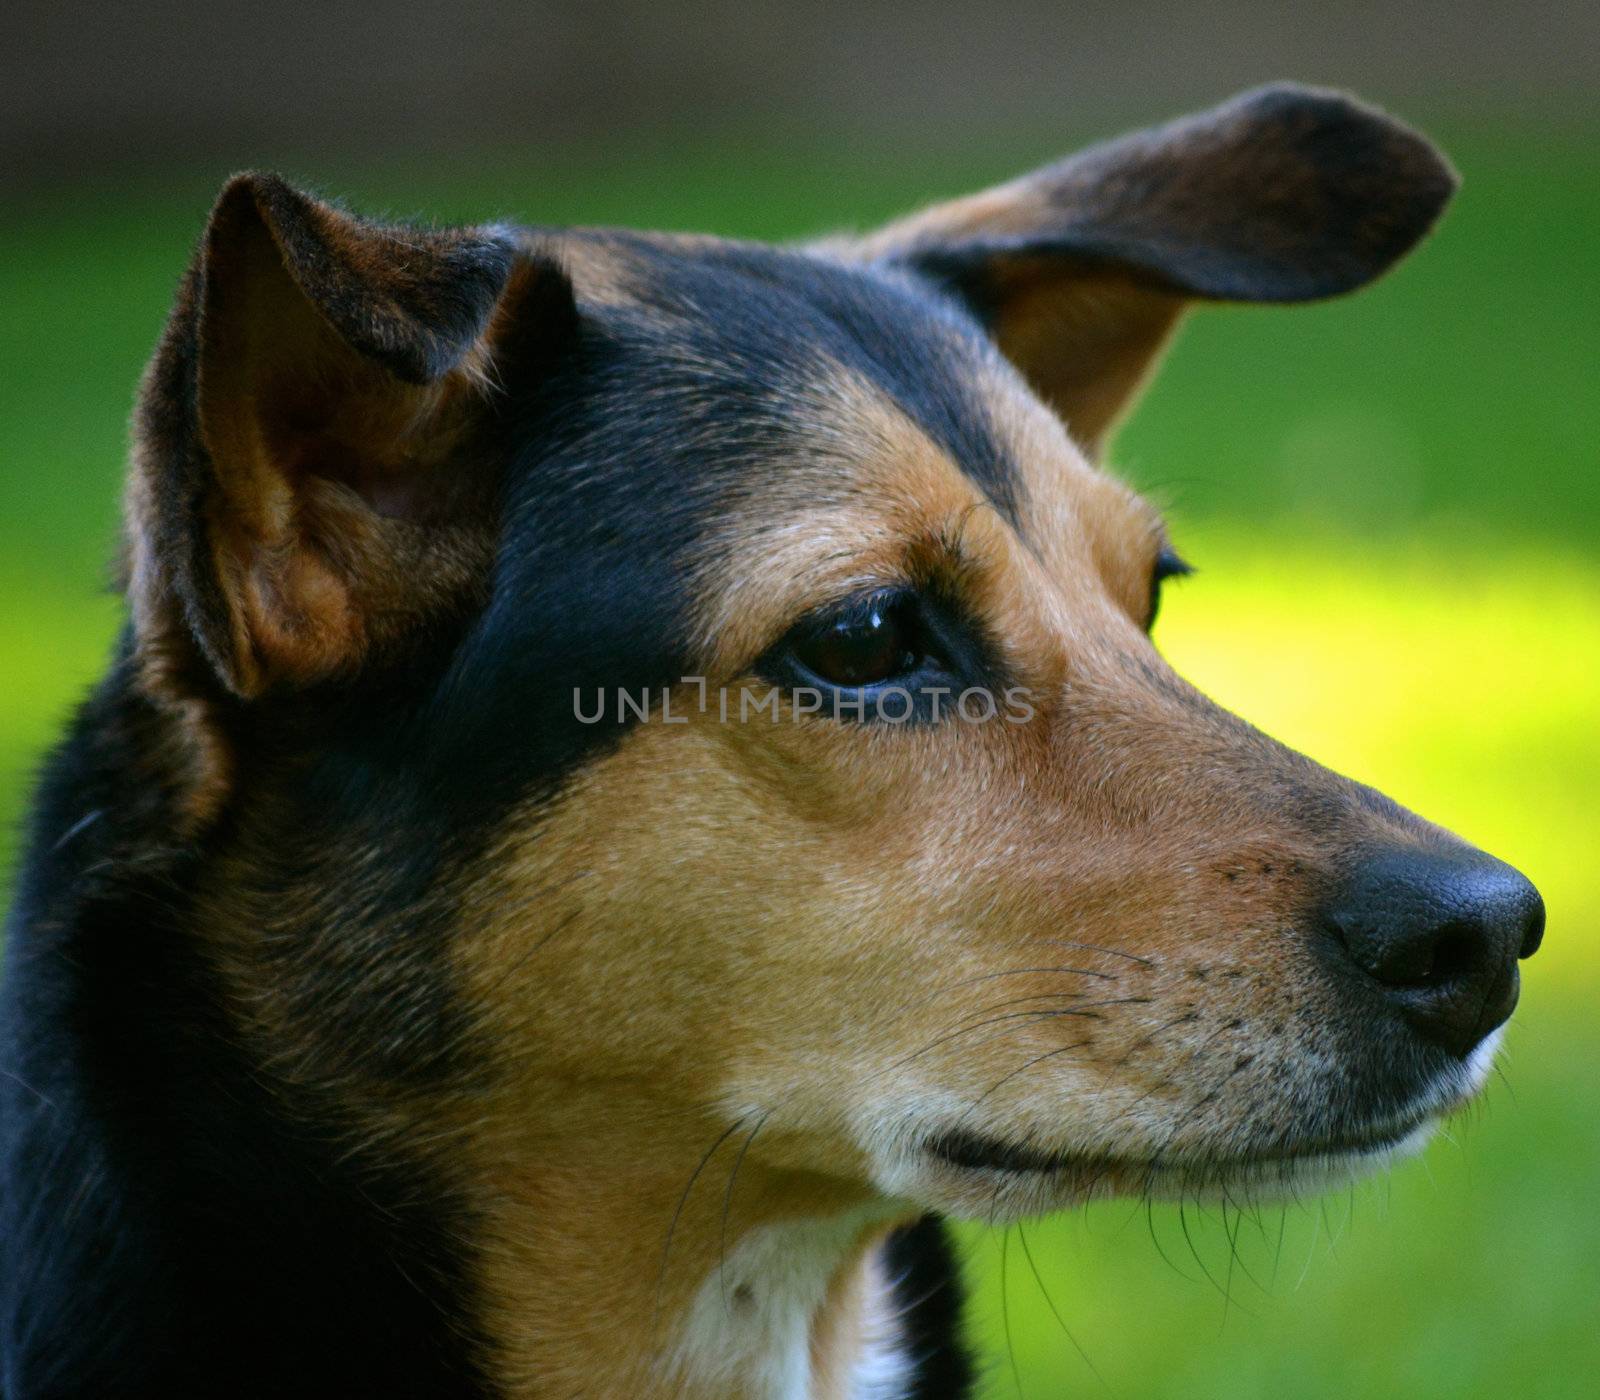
872 641
1169 564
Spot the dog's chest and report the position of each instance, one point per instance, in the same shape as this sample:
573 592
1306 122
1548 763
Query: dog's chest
800 1311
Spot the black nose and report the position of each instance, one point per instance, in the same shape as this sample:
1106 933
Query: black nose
1439 935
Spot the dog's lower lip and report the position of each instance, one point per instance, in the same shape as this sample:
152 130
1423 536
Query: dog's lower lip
979 1153
976 1152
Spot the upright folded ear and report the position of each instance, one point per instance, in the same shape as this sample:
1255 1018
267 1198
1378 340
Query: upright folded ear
313 478
1082 269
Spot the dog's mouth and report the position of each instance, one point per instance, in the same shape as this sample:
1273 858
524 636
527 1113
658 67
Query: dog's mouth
1286 1165
1289 1165
1336 1147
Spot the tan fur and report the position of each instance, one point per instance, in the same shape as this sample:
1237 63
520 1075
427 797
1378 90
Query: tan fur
734 968
811 931
1018 206
742 971
310 525
342 504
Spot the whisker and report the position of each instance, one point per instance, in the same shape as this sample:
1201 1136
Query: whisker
1188 1239
727 1204
1086 1010
1145 1040
1022 1068
1025 971
1231 1234
1005 1311
1049 1302
1008 972
1277 1255
1235 1256
1500 1074
666 1248
1327 1230
1096 948
991 1021
1155 1239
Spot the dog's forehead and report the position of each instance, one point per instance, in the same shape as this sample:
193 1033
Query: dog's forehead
720 401
752 343
812 377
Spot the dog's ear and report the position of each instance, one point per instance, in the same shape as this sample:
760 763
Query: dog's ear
313 477
1081 269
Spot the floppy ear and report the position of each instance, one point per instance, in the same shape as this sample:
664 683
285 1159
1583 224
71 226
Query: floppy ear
1082 269
312 477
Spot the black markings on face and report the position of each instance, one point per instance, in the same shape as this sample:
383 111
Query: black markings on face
717 375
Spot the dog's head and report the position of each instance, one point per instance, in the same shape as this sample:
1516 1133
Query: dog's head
715 680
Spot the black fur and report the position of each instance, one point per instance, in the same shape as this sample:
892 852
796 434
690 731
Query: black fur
185 1214
610 491
168 1228
927 1280
175 1220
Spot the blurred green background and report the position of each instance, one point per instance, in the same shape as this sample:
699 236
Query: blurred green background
1393 501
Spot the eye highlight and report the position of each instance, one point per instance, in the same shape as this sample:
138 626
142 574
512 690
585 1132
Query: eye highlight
1169 564
874 640
895 654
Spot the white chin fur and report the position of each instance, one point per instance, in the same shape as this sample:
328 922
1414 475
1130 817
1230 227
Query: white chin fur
1290 1179
1480 1063
1000 1196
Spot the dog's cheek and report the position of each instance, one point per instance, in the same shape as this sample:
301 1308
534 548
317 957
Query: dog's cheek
698 910
829 923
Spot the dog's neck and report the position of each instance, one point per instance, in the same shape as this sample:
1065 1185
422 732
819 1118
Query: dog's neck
548 1270
610 1271
603 1269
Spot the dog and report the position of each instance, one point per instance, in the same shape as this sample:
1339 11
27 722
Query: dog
636 784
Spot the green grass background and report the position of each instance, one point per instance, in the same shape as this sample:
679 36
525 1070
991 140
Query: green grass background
1394 503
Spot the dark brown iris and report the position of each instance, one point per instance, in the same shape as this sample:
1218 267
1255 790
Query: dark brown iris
866 647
